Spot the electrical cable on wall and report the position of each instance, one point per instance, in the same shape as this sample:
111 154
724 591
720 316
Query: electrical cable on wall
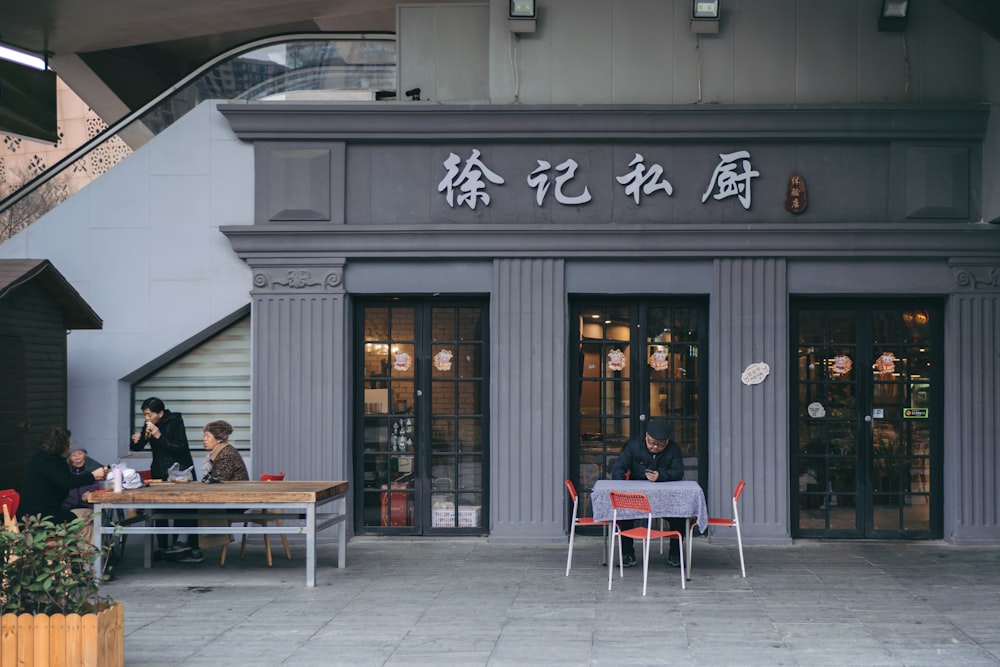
697 48
906 69
512 55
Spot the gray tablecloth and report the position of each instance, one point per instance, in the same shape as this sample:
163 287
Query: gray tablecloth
669 499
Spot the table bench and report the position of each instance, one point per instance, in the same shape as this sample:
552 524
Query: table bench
293 499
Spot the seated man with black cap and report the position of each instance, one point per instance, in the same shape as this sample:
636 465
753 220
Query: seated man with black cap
657 458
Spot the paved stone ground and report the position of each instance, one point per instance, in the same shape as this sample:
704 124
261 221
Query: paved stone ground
467 602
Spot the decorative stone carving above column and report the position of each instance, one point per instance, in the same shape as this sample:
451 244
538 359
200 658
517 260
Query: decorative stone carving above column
299 182
976 276
322 279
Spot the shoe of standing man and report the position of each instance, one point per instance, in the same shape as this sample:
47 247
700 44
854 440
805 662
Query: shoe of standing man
191 556
176 549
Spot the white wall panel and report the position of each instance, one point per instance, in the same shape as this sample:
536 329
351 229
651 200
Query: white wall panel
642 54
766 52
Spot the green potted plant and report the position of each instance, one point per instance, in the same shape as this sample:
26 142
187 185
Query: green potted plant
50 598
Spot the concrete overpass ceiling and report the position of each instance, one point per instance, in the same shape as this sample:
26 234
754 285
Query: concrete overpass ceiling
70 26
137 48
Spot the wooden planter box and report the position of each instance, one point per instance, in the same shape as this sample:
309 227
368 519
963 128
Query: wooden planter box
40 640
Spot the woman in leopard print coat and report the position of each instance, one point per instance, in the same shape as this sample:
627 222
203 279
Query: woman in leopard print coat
224 462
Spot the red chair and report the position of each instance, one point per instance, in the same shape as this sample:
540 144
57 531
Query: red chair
733 523
581 521
638 502
267 538
10 500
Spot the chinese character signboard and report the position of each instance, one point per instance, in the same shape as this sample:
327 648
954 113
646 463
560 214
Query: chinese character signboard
796 200
470 181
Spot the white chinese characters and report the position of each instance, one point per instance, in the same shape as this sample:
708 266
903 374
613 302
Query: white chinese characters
647 180
727 181
468 181
539 180
465 184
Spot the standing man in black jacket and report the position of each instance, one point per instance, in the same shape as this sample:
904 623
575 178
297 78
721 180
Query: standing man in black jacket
657 458
166 435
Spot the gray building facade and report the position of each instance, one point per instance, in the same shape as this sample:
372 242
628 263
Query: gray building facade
782 235
438 203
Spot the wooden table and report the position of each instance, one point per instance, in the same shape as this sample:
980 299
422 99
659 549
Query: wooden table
681 499
296 501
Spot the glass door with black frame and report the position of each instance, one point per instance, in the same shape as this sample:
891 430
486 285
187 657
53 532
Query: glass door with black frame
421 443
635 360
867 420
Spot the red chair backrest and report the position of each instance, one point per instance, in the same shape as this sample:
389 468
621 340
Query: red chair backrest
571 489
739 490
10 499
273 478
621 500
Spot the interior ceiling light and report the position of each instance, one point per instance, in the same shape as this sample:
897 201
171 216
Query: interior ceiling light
18 56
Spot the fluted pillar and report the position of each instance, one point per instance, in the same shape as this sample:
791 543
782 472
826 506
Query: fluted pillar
748 425
528 436
300 380
972 405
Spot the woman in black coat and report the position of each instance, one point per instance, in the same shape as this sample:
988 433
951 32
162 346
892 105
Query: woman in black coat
48 479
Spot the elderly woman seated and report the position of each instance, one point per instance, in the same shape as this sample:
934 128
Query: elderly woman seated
224 464
79 463
48 480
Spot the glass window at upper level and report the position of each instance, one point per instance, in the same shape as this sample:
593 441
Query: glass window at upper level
334 67
207 382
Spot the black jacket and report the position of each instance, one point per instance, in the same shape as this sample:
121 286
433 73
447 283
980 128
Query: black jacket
637 458
47 480
171 447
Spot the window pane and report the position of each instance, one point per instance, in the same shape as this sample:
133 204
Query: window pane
211 381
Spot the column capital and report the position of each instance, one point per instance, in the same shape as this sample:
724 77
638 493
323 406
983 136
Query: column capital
976 275
325 278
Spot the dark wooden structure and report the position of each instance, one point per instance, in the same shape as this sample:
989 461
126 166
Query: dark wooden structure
38 307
